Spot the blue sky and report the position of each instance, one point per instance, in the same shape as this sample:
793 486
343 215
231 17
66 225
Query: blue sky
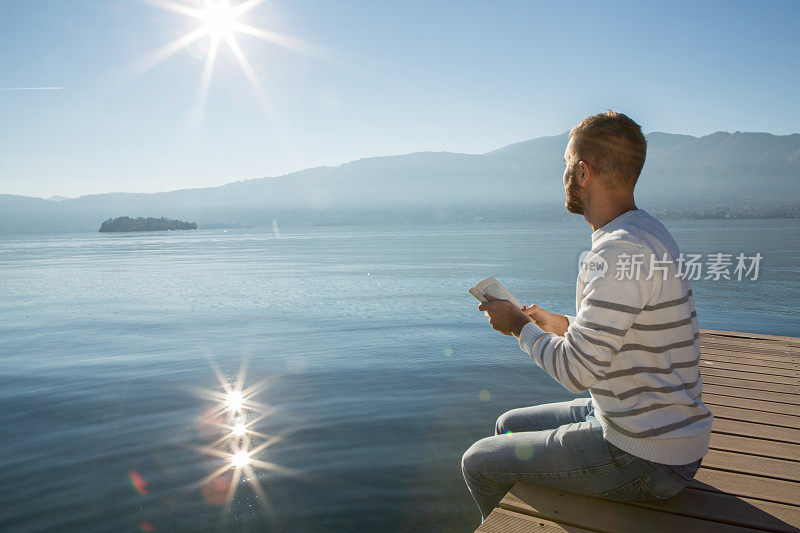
381 78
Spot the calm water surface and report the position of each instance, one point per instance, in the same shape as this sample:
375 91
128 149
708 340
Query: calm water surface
379 371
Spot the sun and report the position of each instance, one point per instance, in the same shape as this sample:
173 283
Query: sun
220 23
220 19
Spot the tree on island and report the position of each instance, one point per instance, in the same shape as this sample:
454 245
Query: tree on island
144 224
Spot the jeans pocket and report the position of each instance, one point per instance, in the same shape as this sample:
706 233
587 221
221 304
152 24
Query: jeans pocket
636 490
618 456
682 473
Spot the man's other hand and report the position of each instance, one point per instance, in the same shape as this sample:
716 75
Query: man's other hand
551 322
504 316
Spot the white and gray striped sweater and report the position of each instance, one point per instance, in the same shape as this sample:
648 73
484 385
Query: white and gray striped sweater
634 345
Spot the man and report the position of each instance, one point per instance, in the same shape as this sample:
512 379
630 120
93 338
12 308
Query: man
633 345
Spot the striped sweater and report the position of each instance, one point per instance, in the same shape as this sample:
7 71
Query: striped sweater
634 343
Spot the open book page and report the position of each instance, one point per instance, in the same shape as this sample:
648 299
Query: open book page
492 287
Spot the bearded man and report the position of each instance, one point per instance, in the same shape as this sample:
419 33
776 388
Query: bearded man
633 344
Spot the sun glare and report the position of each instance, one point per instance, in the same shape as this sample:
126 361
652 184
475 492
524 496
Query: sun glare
237 447
220 19
234 401
240 459
239 429
221 22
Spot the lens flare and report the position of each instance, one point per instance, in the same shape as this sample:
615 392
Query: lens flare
234 401
137 482
239 429
240 459
237 450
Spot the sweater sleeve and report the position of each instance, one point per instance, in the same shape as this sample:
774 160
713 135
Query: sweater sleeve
606 311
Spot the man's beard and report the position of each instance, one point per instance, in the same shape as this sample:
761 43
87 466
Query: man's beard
575 202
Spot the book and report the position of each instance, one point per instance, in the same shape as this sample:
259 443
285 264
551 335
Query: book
492 287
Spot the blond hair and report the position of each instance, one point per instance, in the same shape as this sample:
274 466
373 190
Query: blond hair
613 145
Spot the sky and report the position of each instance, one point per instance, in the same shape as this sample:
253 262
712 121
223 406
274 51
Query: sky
353 79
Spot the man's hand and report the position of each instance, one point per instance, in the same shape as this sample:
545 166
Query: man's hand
551 322
504 316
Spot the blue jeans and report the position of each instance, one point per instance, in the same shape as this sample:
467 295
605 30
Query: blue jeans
561 445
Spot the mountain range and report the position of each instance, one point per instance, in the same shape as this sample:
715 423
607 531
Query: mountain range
681 172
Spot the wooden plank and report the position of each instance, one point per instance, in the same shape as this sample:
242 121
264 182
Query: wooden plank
761 343
758 343
759 431
748 365
751 357
777 355
738 365
751 376
755 359
792 390
747 486
741 354
751 464
786 353
744 335
767 366
752 343
749 403
729 509
735 392
758 417
503 521
753 446
743 373
601 515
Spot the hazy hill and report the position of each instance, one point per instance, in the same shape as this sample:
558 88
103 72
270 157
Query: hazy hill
681 170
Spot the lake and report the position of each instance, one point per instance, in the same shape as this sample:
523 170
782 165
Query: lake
376 370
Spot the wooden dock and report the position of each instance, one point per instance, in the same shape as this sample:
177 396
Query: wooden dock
750 479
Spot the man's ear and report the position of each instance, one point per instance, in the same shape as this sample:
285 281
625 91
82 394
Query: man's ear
583 173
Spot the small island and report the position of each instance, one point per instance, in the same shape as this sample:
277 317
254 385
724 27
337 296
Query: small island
121 224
